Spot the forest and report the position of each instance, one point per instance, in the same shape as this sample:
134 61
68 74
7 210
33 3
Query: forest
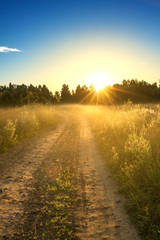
133 90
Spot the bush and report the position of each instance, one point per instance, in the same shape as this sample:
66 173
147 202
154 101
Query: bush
17 124
129 137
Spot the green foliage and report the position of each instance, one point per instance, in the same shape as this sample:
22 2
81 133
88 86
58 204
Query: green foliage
19 95
8 136
17 124
55 217
130 91
27 123
129 137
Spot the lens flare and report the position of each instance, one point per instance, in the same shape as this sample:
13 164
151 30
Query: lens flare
99 81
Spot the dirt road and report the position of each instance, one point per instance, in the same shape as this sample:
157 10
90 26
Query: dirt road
99 208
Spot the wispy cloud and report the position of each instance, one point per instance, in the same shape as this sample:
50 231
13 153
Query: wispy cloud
6 49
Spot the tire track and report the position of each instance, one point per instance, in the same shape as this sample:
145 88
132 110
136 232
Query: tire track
99 209
101 214
16 182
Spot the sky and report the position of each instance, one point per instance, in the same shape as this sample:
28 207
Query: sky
53 42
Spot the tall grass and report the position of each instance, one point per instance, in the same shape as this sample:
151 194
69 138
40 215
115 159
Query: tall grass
16 124
129 137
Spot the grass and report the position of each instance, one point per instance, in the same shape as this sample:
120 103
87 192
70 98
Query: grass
56 214
56 193
51 202
50 205
129 139
16 124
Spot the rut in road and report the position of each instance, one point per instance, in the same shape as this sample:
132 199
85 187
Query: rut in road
101 214
98 210
16 180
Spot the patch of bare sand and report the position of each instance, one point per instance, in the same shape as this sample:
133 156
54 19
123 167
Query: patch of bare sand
100 212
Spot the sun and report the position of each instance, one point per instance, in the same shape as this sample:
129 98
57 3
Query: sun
99 81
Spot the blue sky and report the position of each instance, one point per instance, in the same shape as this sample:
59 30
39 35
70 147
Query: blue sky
68 41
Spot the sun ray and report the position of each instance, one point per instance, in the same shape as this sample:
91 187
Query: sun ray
99 81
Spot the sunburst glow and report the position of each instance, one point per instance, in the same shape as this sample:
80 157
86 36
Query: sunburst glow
99 81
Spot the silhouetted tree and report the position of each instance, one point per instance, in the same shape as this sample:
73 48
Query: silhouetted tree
136 91
65 94
57 97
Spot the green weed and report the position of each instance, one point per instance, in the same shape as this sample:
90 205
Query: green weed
129 138
55 217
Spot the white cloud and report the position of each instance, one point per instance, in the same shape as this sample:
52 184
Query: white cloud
6 49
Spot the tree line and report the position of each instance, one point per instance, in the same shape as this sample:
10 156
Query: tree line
136 91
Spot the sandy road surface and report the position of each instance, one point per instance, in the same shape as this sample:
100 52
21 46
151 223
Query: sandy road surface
99 212
16 181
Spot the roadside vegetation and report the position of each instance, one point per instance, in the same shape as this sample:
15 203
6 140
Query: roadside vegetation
129 138
54 197
16 124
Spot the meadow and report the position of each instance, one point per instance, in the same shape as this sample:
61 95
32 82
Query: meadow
129 139
17 124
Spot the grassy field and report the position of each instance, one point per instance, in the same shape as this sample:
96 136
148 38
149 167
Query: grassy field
16 124
129 139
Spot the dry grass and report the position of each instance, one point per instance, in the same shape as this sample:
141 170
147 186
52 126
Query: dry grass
129 138
18 123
